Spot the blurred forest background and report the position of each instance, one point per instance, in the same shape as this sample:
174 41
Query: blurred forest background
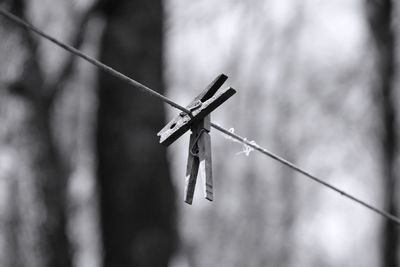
84 182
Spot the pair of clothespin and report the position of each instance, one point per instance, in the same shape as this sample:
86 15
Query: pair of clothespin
199 159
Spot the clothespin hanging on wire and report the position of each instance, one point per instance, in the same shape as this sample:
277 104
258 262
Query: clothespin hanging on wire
199 159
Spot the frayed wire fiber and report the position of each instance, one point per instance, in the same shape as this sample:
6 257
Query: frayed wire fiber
251 144
307 174
246 148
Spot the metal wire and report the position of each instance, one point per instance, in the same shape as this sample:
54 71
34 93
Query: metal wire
93 61
165 99
305 173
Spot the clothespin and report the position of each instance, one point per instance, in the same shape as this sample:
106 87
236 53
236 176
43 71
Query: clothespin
199 159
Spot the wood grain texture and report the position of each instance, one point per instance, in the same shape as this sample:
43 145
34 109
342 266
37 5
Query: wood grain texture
205 167
191 172
199 160
177 127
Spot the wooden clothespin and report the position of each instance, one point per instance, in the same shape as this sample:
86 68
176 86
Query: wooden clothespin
199 159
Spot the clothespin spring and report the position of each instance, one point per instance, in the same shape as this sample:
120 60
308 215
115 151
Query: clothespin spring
194 150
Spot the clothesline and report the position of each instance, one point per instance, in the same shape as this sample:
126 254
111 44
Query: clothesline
165 99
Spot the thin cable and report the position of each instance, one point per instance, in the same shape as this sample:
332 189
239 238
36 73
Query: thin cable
305 173
151 92
93 61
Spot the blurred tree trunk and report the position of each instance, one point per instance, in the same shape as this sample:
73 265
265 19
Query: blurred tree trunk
380 20
38 227
136 194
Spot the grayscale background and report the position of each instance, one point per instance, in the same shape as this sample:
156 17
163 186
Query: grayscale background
84 181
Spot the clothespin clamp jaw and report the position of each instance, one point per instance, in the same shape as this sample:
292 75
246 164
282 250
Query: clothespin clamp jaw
200 107
199 158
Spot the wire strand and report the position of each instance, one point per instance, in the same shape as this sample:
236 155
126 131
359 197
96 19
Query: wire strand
93 61
165 99
305 173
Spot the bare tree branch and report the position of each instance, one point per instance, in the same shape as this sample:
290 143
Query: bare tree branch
55 88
